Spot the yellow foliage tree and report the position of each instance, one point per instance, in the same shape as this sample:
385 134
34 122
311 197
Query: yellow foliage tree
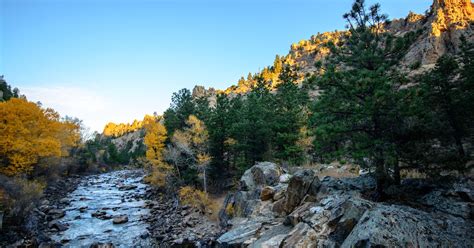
117 130
28 133
155 142
194 140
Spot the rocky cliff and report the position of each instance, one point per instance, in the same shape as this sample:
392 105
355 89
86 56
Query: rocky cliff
437 32
274 209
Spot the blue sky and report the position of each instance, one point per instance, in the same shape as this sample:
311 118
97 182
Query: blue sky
116 60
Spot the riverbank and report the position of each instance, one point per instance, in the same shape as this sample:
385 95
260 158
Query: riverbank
32 233
175 225
114 208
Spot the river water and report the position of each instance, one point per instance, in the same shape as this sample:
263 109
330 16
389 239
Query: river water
118 193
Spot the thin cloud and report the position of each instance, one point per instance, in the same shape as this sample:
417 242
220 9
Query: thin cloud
82 103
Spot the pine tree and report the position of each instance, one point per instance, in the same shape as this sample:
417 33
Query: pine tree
289 119
181 107
354 116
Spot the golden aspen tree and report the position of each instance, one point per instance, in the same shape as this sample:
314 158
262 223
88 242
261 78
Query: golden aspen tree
198 135
155 142
28 133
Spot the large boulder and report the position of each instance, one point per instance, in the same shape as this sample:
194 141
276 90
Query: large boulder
244 202
302 236
261 174
402 226
303 182
237 236
271 237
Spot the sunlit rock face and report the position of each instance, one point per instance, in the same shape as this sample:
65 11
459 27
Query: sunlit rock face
438 32
451 14
444 25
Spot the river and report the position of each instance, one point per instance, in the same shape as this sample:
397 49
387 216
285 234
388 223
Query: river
106 196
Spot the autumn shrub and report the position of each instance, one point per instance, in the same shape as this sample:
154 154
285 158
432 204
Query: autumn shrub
229 210
200 200
157 174
194 198
19 195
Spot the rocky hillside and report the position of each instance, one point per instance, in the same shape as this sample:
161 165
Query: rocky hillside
433 34
275 209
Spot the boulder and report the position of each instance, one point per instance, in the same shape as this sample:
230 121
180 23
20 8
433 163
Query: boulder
302 183
279 206
98 214
402 226
261 174
83 209
285 178
57 225
302 236
120 219
453 205
272 237
237 236
56 213
267 193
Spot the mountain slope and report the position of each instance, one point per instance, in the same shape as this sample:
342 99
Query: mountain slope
435 33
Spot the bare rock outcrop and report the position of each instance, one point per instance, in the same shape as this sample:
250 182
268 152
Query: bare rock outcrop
331 212
442 29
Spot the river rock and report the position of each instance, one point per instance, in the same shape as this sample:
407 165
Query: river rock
120 219
56 213
102 245
55 224
127 187
98 214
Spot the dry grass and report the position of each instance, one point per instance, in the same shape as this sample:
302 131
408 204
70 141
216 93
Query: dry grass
216 204
334 169
415 174
206 204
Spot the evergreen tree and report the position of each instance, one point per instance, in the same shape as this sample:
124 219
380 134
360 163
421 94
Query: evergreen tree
354 116
443 113
6 91
256 124
289 119
218 125
182 106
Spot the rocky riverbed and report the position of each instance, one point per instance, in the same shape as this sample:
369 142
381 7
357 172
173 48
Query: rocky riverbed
271 209
115 209
104 209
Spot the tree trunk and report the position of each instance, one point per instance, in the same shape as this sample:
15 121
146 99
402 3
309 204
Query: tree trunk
1 220
396 173
380 177
456 135
205 181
